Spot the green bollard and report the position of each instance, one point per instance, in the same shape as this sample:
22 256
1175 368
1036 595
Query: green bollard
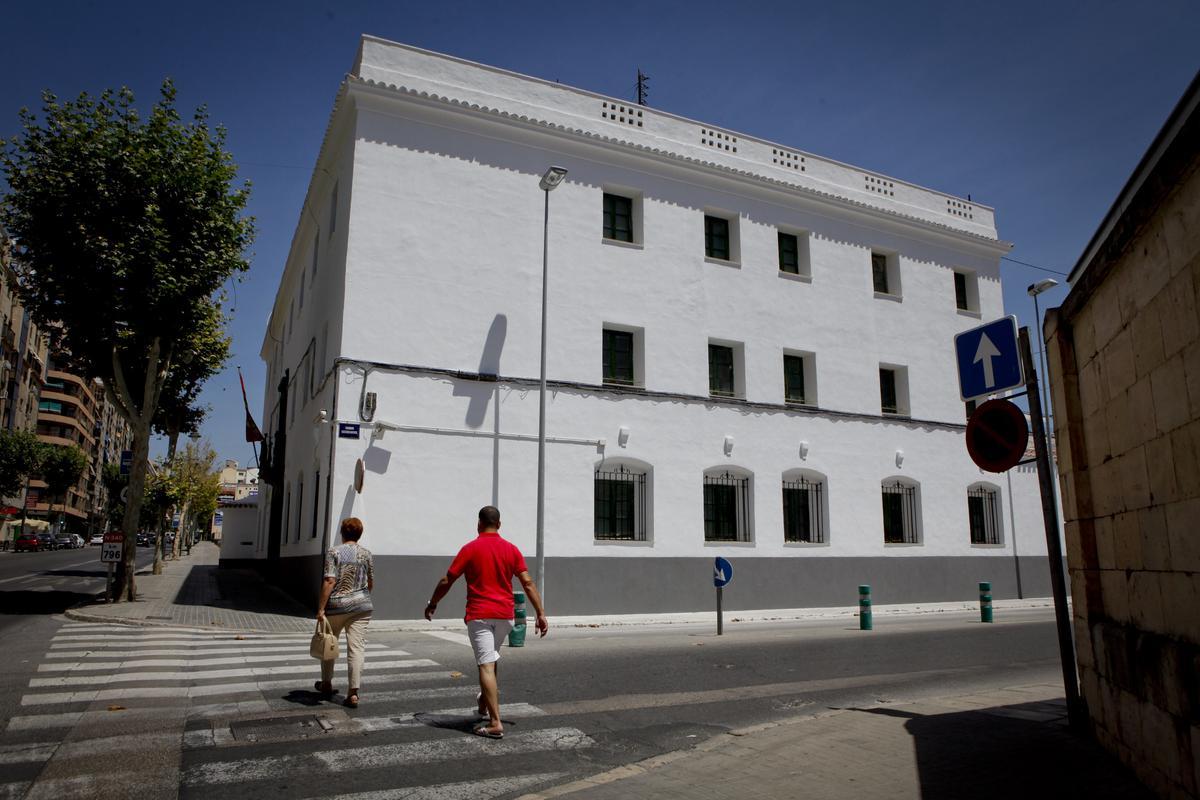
516 637
985 601
864 608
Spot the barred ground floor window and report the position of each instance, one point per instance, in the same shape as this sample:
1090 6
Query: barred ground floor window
900 517
983 514
803 511
620 504
726 507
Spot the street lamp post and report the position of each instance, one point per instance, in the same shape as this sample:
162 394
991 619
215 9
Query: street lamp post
553 177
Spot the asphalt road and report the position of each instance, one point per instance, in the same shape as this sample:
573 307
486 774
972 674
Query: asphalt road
638 692
50 582
576 703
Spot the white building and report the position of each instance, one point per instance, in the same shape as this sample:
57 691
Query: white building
750 355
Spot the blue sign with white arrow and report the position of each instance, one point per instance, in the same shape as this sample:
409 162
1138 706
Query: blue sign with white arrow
722 572
988 359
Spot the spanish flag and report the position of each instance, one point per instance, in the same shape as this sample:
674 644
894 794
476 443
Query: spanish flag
253 434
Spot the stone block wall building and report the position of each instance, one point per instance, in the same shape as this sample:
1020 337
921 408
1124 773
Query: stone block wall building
1125 370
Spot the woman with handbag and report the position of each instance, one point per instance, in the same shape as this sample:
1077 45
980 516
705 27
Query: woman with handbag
346 605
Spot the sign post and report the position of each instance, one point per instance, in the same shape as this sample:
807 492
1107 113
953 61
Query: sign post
1058 579
722 574
111 551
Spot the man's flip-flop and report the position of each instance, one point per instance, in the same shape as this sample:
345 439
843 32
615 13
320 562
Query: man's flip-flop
485 733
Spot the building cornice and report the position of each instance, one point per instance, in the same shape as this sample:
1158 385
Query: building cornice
875 214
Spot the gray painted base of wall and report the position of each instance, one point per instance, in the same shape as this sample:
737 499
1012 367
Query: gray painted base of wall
577 586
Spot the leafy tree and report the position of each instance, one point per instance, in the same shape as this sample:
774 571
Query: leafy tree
20 457
126 230
194 474
162 493
61 468
205 351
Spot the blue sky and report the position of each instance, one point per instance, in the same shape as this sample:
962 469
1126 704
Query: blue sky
1039 109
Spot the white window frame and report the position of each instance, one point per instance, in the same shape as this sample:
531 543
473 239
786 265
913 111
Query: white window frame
810 378
639 353
972 291
997 514
913 533
735 237
821 515
803 254
643 501
895 286
903 402
636 211
743 508
739 368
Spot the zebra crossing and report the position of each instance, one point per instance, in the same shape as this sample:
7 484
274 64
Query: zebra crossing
237 715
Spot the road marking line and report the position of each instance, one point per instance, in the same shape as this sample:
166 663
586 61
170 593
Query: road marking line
72 718
205 675
478 790
73 640
450 636
273 648
384 756
36 752
79 666
133 692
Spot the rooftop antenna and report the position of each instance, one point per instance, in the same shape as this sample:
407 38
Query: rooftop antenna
642 80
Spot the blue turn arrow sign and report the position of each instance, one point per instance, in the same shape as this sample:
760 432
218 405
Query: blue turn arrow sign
988 359
722 572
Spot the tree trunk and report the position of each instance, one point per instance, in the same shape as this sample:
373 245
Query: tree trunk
177 545
158 547
133 509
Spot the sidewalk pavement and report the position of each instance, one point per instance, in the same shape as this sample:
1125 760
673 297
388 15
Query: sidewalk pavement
1002 744
193 591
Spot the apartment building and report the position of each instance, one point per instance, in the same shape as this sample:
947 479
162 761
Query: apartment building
749 355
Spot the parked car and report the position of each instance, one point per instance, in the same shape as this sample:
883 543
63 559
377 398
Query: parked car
46 542
63 541
77 541
27 542
97 539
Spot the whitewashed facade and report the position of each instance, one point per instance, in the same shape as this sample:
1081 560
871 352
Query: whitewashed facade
415 277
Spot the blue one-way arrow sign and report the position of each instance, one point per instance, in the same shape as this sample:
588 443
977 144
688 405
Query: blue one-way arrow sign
722 572
988 359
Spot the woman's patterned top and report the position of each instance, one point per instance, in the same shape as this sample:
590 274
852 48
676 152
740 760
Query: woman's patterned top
352 569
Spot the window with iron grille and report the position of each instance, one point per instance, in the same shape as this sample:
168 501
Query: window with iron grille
618 218
960 292
716 237
982 511
726 508
803 511
789 253
720 371
887 391
879 272
618 357
620 496
793 379
899 513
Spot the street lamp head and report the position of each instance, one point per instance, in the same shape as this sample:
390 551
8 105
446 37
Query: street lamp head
1037 288
553 177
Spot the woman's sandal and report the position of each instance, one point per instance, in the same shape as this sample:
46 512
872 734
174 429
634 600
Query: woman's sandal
330 692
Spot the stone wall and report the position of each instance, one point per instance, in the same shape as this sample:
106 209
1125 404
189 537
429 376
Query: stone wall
1125 365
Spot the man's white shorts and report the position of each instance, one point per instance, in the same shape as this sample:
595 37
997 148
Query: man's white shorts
486 637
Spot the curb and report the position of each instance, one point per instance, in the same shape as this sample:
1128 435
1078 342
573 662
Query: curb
626 620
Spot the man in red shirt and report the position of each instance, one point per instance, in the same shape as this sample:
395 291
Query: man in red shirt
489 562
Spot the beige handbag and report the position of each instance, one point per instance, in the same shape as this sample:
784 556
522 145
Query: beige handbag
324 643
